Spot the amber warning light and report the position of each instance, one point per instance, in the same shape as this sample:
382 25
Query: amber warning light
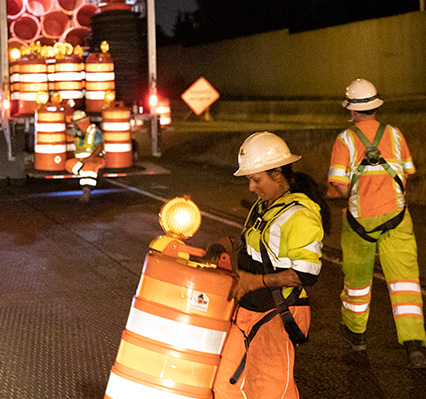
180 217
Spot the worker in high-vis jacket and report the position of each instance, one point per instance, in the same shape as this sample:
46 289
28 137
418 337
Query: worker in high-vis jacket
89 153
279 254
369 166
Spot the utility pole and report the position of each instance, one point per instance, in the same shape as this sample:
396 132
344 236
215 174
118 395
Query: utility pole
152 72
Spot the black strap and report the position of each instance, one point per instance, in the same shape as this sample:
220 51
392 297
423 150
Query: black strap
247 341
295 334
384 227
381 160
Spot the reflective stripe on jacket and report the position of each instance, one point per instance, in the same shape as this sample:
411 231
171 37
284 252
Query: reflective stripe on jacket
293 238
375 192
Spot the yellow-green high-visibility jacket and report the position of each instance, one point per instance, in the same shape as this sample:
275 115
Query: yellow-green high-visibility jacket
85 144
293 237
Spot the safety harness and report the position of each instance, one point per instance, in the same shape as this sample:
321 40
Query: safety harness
372 156
281 304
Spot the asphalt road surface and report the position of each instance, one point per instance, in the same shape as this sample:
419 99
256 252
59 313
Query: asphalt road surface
69 271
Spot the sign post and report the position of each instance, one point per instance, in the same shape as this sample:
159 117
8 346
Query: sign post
200 95
152 71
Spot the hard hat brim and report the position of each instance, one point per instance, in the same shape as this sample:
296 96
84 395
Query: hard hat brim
250 171
376 103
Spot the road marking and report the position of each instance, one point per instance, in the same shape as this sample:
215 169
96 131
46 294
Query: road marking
163 199
227 222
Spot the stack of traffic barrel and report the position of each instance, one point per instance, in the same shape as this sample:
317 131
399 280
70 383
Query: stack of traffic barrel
49 21
125 32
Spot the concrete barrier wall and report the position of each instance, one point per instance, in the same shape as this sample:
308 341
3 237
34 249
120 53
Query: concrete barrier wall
391 52
310 70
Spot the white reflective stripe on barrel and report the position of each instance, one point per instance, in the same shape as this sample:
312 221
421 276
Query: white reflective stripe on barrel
175 333
125 147
99 76
14 78
50 148
115 126
50 127
27 96
15 95
95 95
69 94
65 76
33 78
121 388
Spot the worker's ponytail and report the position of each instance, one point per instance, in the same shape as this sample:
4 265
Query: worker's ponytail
303 183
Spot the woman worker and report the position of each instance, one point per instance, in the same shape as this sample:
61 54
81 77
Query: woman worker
279 255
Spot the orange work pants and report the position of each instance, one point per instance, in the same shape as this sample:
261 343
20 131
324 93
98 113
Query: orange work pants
268 373
88 172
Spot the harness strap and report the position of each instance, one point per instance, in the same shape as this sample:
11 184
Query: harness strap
384 227
381 161
296 336
291 300
247 341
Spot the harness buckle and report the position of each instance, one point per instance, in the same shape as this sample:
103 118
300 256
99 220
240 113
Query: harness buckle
257 223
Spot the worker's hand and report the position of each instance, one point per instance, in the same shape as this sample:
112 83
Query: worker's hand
245 282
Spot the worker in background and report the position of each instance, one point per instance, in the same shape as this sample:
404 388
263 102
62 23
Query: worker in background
279 255
89 153
370 163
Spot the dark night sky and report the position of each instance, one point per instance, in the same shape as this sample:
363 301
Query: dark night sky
166 12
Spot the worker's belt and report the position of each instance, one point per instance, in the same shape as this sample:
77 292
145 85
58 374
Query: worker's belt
282 308
384 227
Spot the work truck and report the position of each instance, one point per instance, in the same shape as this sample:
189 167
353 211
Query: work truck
45 80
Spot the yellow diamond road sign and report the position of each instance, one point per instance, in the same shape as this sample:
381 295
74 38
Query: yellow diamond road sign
200 95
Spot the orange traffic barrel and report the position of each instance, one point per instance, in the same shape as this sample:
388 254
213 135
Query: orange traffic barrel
117 135
50 141
68 6
83 15
39 7
32 79
69 79
54 24
26 27
175 331
162 109
77 36
15 8
100 78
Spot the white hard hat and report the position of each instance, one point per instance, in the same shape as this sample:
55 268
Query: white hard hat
79 116
263 151
361 95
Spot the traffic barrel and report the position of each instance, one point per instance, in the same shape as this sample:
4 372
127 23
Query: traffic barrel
68 6
54 24
32 79
83 15
39 7
175 331
162 110
26 28
77 36
50 138
69 79
15 8
100 78
117 135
